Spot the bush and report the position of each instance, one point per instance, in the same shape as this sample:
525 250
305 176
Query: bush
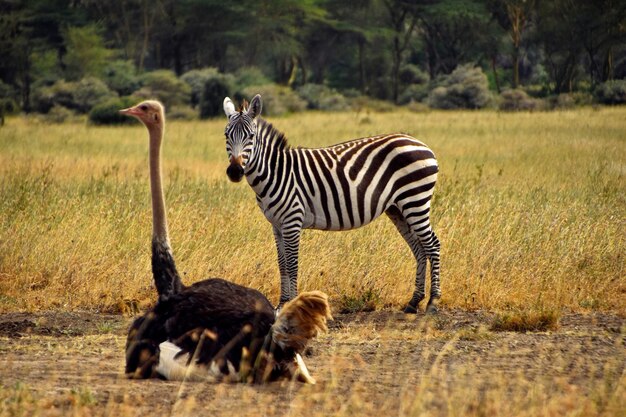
568 100
276 99
165 87
212 98
60 93
89 92
107 113
197 79
58 114
8 106
249 76
320 97
120 76
182 113
611 92
413 93
365 103
6 90
465 88
412 74
517 100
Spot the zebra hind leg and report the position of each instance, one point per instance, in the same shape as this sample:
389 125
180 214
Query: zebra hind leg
431 245
420 258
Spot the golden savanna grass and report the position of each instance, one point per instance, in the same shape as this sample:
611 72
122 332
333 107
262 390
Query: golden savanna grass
530 209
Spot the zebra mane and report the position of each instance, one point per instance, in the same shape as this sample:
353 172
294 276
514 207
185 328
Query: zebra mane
271 135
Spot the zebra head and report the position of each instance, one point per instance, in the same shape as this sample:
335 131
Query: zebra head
240 134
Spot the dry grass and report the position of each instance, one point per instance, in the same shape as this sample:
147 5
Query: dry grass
526 321
407 366
530 210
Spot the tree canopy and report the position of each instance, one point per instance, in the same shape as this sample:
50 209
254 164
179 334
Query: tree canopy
368 47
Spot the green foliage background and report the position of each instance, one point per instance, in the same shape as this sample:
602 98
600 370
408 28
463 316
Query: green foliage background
393 50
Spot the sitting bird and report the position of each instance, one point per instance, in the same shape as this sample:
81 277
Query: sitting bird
214 328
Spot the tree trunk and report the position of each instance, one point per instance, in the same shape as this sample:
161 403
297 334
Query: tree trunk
515 57
395 69
294 71
495 73
362 67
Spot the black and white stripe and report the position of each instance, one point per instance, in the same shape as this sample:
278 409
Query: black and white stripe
340 187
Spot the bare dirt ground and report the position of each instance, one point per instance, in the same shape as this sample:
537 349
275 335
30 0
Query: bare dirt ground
379 363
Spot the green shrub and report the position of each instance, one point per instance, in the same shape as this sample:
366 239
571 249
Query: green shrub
212 98
276 99
413 93
58 114
248 76
320 97
364 301
568 100
107 113
60 93
121 77
412 74
182 113
164 86
365 103
6 90
9 106
611 92
89 92
517 100
196 79
465 88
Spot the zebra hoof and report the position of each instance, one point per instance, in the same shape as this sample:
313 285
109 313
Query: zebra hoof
409 309
433 306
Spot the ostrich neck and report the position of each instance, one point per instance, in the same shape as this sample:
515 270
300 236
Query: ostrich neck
159 218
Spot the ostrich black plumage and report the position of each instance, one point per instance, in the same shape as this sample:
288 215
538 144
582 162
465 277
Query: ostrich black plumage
213 328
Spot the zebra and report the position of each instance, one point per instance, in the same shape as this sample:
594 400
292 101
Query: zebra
339 187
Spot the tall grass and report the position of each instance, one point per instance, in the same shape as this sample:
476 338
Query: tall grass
530 209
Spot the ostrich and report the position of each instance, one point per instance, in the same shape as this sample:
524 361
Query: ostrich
213 328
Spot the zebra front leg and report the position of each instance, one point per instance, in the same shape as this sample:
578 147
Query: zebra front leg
291 239
285 286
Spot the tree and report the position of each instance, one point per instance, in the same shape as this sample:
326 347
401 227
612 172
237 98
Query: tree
86 53
455 32
561 39
403 17
513 16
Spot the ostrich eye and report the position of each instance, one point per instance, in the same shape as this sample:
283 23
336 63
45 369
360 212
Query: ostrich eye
143 107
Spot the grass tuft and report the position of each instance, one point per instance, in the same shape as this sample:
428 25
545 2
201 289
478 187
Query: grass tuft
360 302
525 321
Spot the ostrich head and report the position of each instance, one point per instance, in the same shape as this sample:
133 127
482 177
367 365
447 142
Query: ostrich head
150 112
299 321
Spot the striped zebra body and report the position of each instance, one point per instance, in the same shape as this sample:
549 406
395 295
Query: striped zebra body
340 187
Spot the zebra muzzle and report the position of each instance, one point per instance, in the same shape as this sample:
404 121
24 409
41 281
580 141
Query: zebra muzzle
234 172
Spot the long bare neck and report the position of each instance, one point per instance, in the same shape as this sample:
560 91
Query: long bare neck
159 217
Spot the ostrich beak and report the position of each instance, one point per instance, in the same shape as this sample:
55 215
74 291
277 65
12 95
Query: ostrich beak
131 111
302 373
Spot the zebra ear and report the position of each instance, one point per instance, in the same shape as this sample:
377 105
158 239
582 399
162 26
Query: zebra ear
254 109
229 107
